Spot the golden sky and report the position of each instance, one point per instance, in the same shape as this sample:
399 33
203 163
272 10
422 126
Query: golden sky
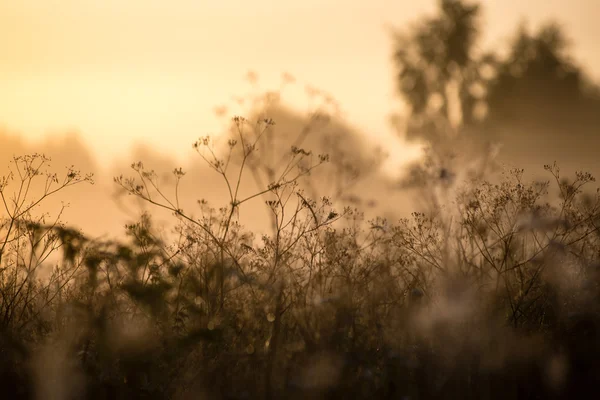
121 72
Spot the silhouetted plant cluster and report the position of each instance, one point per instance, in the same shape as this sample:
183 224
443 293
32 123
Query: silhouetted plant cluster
491 293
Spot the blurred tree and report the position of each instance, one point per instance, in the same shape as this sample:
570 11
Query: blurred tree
540 99
439 70
442 76
455 91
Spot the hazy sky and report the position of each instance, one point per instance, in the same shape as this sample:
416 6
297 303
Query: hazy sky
125 71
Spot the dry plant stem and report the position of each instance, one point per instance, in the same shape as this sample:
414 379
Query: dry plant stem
274 345
247 149
30 239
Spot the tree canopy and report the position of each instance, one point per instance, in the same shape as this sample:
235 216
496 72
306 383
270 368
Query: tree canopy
535 100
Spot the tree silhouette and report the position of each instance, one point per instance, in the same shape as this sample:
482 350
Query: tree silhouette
536 101
438 70
541 99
